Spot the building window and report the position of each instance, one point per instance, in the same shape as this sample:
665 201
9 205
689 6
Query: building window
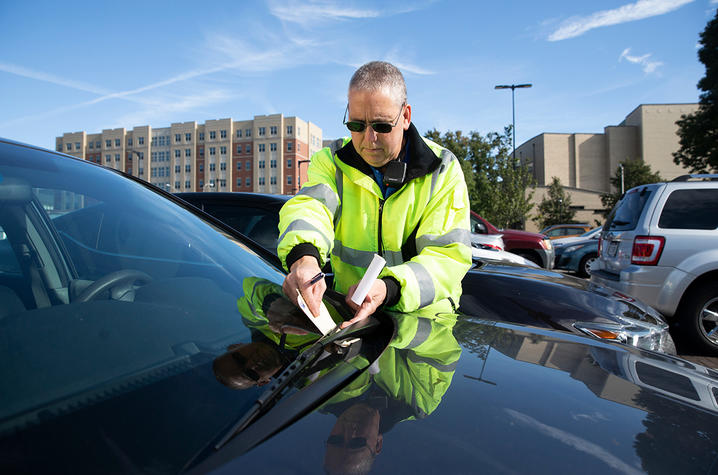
129 142
212 135
212 167
177 185
201 184
289 146
289 130
188 152
97 145
223 166
108 143
248 165
289 179
261 131
141 140
178 169
108 158
212 151
239 149
239 133
78 146
201 167
117 157
248 182
239 165
223 134
272 147
90 144
272 164
239 182
261 181
223 150
117 143
188 137
273 180
141 172
177 153
299 147
187 184
188 168
247 132
201 151
261 147
273 130
201 136
223 183
178 138
261 164
289 163
247 148
69 146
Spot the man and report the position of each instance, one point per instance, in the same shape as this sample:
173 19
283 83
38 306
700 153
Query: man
385 191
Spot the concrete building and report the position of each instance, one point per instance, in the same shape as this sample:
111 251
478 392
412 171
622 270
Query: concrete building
585 162
264 154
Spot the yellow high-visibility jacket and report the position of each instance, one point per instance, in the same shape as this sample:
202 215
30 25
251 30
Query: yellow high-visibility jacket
422 229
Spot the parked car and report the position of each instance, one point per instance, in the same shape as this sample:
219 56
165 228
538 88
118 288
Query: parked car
535 247
562 242
557 231
479 253
494 288
579 254
139 334
660 245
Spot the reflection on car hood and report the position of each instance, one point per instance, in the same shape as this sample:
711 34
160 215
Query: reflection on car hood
490 391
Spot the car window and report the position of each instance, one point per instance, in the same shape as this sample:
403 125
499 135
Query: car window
8 262
626 213
259 224
690 209
477 226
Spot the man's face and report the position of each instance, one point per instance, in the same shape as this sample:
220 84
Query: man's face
354 440
375 148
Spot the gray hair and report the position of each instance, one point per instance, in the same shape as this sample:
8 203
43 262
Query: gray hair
378 76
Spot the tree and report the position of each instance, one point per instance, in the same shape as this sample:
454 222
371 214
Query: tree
497 184
698 132
555 207
635 173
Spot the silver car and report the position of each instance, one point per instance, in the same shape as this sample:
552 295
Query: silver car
660 245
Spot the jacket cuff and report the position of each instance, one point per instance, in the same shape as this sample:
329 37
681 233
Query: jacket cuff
301 250
393 291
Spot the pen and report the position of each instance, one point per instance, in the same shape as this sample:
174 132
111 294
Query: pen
316 279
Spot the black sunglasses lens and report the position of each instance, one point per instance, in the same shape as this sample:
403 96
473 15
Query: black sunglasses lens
356 126
382 127
354 442
251 374
357 443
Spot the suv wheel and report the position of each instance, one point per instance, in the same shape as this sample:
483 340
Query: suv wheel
698 317
584 267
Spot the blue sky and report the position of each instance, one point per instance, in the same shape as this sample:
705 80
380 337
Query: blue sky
69 66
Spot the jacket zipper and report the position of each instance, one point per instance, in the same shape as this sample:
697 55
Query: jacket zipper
381 245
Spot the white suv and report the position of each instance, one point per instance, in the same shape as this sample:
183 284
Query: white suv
660 245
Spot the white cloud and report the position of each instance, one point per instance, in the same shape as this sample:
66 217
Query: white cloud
51 78
647 66
317 11
639 10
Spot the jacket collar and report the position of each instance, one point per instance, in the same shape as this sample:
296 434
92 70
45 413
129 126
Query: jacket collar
422 160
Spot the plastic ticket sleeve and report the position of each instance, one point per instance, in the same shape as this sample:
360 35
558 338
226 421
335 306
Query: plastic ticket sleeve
323 322
377 264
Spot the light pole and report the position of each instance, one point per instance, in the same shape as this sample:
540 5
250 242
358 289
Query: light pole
513 110
620 165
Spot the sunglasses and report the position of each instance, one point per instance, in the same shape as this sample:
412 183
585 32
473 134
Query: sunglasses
353 443
379 127
242 362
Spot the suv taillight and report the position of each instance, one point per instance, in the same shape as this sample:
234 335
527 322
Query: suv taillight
647 250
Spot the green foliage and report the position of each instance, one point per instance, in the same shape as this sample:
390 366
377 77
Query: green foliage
698 132
635 173
497 184
555 207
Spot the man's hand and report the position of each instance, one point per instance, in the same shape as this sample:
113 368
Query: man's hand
374 298
298 278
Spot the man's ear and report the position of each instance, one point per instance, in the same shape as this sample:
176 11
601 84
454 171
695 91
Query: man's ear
379 443
406 115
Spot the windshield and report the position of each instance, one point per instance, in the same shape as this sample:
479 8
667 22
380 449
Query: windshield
106 284
626 213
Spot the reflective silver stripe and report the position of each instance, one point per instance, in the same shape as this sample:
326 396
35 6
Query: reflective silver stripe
336 145
339 180
426 285
302 225
433 363
323 193
446 158
462 236
423 330
393 258
351 256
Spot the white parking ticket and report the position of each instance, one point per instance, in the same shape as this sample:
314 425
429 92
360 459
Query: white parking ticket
323 322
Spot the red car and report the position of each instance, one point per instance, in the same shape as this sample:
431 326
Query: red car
532 246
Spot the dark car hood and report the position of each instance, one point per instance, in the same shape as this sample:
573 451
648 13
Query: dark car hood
520 401
539 297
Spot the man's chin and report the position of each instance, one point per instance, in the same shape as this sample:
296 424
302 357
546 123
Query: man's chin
376 160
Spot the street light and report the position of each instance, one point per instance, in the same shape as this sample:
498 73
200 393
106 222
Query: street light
513 110
620 165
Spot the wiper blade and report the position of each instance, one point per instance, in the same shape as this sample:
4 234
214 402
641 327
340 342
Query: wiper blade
306 358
